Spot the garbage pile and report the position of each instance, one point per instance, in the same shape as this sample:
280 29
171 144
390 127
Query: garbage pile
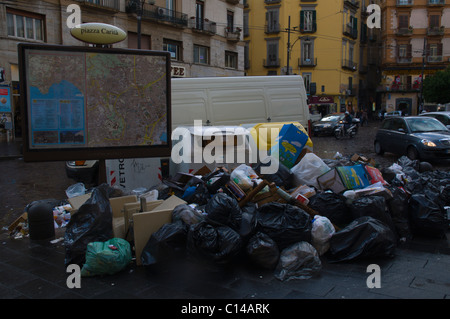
341 209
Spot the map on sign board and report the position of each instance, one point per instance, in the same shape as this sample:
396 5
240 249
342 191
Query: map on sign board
96 99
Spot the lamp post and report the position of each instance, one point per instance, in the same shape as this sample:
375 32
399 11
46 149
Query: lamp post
140 9
289 44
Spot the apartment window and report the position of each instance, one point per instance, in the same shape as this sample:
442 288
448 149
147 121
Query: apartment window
174 47
199 14
403 21
272 20
272 53
307 77
307 47
404 53
25 25
230 21
308 21
231 59
434 21
201 54
146 43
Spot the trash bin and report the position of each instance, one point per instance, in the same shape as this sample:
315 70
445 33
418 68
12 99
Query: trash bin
40 220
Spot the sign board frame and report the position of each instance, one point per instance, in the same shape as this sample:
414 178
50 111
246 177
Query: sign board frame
83 151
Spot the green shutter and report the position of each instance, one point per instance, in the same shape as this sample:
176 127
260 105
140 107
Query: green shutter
314 21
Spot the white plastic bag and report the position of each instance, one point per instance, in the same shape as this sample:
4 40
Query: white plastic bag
321 232
308 169
244 176
77 189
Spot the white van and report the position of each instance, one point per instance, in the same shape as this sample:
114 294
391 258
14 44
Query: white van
239 100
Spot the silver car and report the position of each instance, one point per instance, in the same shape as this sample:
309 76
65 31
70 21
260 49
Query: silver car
418 137
443 117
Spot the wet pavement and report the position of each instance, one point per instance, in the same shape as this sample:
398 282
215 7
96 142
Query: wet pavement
35 270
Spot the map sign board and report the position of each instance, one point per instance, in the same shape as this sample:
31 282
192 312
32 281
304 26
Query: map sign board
94 103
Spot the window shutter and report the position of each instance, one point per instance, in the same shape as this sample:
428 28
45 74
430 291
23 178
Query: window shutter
439 49
302 21
408 52
314 21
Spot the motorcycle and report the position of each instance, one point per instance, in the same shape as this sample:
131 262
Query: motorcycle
340 131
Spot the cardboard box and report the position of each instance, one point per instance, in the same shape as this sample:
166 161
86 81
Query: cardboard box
117 204
290 141
344 178
77 201
146 223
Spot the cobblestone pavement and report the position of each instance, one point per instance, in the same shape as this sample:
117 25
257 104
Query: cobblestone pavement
35 270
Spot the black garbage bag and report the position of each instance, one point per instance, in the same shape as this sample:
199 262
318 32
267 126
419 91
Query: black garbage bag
398 207
298 261
248 221
332 206
282 177
187 215
373 206
284 223
225 210
427 217
168 243
364 237
216 244
200 196
263 251
92 222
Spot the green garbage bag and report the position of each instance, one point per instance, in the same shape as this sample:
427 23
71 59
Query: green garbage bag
106 258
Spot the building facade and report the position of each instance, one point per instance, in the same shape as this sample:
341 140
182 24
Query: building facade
416 43
203 37
328 43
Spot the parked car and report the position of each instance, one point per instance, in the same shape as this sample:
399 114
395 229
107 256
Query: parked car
418 137
83 171
392 114
443 117
328 124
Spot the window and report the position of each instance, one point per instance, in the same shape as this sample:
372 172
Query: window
174 47
403 21
201 54
25 25
434 21
272 21
307 77
272 53
404 53
231 59
307 47
230 21
199 14
308 21
146 43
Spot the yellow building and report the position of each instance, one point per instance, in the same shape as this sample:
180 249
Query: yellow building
327 42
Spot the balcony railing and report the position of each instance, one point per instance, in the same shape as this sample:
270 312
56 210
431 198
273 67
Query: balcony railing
271 63
151 12
435 59
307 62
435 2
233 34
404 31
404 59
350 31
436 30
112 5
202 25
349 64
272 28
405 2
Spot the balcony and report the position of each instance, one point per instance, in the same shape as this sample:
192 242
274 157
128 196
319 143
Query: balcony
403 60
404 31
435 59
307 62
435 2
202 25
352 3
233 34
350 31
272 28
108 5
271 1
235 2
160 14
402 3
435 30
271 63
349 65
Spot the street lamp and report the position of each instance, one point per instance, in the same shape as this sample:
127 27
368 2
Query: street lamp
139 12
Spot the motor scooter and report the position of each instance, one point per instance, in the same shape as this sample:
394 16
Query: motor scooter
341 132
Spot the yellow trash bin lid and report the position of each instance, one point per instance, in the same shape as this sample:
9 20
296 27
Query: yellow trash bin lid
263 138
